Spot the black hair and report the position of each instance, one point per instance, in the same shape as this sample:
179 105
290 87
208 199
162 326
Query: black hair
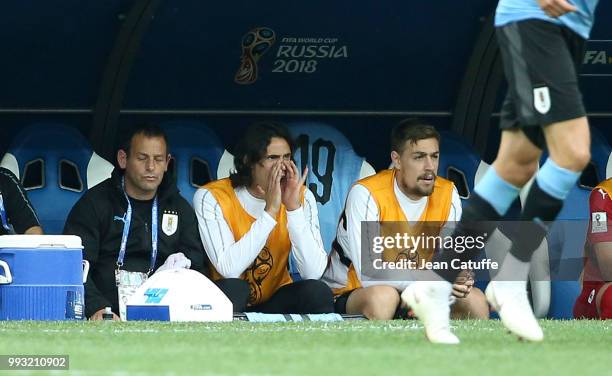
147 130
412 130
252 147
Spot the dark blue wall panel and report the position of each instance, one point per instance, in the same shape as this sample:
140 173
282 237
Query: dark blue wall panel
389 56
54 52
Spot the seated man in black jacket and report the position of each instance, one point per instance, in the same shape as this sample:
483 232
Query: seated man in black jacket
17 215
132 223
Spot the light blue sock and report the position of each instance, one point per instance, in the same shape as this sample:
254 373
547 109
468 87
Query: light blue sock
556 180
496 191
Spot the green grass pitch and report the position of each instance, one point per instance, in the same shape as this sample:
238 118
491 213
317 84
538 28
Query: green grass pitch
309 348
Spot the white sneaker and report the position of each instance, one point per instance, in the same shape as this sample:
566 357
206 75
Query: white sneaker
429 300
509 299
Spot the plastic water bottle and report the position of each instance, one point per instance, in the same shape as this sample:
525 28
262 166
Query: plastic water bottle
108 314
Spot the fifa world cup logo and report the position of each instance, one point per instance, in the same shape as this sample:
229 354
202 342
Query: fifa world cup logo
255 43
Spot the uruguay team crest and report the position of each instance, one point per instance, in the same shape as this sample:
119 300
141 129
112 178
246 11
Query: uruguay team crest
169 223
541 99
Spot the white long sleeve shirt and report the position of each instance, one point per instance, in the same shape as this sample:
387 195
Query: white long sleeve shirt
360 206
231 258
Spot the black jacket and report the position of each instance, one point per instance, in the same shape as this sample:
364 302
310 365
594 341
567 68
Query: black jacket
18 209
96 218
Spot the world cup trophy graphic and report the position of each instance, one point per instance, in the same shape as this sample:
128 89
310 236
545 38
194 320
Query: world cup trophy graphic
255 43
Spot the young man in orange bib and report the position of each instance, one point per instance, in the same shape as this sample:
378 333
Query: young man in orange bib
252 221
409 198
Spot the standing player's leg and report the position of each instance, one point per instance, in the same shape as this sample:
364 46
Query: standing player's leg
558 106
568 144
515 164
569 148
543 91
507 293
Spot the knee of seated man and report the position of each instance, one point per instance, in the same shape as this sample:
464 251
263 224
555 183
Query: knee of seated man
384 296
379 302
237 290
384 304
233 284
313 290
474 306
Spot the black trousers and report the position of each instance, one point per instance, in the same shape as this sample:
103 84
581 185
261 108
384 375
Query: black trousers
307 296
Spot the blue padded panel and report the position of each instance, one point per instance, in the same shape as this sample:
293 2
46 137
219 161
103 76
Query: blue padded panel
565 247
52 143
188 140
565 250
563 296
333 167
457 153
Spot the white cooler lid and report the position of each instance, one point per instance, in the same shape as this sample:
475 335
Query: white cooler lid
41 241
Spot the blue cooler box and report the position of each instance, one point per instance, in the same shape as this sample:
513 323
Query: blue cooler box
41 277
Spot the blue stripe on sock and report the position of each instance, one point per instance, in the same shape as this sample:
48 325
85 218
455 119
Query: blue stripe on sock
496 191
556 180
